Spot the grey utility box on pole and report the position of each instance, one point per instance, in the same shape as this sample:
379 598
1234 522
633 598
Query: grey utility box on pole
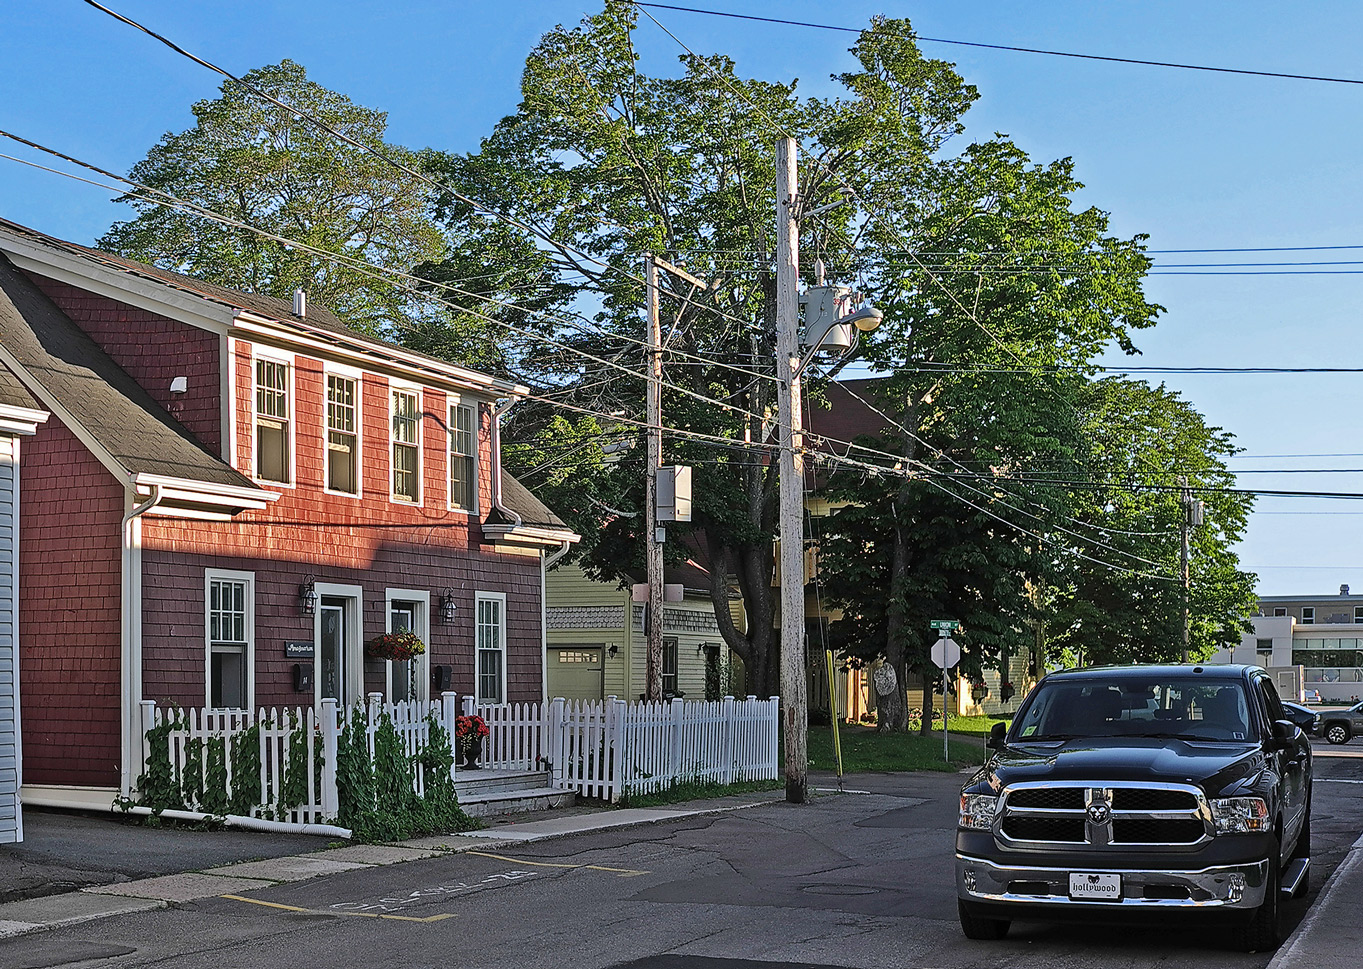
674 493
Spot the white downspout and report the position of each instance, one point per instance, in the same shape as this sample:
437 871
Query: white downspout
497 416
131 652
547 559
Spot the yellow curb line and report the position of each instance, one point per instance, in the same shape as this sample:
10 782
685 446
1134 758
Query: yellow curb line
622 872
313 911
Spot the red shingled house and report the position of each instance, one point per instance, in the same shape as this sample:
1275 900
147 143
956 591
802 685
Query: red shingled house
232 496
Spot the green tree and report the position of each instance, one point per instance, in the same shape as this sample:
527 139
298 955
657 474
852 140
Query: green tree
611 164
263 166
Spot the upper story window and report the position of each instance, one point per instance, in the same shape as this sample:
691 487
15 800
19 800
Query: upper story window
1308 615
1358 613
1280 610
406 446
273 416
343 440
463 458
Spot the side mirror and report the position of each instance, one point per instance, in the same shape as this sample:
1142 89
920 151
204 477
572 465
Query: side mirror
1285 733
996 734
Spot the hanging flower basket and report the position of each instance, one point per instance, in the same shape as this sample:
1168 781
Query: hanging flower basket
978 690
395 646
1006 691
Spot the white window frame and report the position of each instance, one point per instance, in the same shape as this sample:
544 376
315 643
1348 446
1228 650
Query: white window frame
354 659
472 406
1308 615
1358 614
357 377
267 355
1280 610
249 653
413 391
478 599
421 665
673 647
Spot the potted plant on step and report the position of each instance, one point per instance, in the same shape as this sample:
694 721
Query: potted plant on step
469 732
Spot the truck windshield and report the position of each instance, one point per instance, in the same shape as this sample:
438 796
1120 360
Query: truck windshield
1184 708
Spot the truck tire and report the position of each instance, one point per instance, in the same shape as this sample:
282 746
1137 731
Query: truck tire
1263 931
1337 732
979 928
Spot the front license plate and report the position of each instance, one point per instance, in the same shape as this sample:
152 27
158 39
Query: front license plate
1095 886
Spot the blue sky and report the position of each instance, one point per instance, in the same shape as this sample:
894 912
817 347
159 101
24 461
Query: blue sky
1194 159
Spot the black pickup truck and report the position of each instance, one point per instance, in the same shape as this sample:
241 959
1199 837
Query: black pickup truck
1145 792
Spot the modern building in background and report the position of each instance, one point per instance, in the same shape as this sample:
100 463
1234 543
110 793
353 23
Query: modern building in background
1318 636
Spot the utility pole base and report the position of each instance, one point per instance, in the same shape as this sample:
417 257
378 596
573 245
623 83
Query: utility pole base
797 790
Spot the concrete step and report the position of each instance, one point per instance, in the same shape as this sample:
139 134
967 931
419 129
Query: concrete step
487 803
473 782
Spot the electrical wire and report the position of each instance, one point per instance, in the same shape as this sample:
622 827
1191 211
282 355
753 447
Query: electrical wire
1007 47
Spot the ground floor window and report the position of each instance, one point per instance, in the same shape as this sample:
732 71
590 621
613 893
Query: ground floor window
490 647
670 668
229 627
408 611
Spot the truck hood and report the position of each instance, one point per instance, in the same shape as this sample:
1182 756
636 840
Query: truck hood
1215 767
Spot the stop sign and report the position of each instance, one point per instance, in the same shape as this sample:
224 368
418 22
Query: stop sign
945 653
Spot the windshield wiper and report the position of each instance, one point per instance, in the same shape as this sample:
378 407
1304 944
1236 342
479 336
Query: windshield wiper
1170 735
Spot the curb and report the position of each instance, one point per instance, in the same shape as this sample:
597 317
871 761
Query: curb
1284 958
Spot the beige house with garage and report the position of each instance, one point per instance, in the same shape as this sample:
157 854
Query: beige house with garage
595 644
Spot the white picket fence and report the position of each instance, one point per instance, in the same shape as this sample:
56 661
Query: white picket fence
600 749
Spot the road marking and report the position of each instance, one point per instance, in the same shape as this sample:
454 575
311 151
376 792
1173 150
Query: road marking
622 872
1336 780
313 911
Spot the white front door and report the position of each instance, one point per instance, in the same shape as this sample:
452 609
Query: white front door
331 651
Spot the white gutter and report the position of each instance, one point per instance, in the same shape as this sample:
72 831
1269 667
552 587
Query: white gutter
243 821
547 559
497 416
131 652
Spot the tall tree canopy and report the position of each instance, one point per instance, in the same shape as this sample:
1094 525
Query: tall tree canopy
263 166
998 292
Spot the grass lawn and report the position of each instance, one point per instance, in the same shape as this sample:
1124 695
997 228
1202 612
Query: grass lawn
864 749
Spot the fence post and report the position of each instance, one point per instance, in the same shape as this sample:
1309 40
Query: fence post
372 710
469 705
674 759
552 740
730 733
449 716
773 737
147 715
331 804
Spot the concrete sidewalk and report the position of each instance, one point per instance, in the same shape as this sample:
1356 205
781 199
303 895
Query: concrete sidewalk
1331 935
74 868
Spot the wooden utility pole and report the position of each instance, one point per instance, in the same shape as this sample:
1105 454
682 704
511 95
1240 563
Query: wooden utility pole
1185 508
653 548
794 701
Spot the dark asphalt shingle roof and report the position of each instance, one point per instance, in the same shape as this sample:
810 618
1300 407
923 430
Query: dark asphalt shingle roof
135 430
534 513
13 394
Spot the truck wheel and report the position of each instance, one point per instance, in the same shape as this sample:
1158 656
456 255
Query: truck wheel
979 928
1263 931
1337 733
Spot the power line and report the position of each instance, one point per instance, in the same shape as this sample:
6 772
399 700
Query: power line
1009 47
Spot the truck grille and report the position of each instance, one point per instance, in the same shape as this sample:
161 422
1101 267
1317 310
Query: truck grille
1118 814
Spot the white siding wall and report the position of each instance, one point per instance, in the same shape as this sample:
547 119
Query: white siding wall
11 826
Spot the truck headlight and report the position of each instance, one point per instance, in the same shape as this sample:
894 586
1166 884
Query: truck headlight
1240 815
977 811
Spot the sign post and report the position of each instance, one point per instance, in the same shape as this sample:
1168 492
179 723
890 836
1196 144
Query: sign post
945 655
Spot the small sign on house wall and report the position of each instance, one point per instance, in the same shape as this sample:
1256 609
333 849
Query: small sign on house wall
298 650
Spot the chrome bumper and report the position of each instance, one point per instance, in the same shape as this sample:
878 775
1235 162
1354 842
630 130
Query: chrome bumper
1221 887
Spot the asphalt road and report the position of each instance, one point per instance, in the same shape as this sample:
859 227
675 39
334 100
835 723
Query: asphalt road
854 880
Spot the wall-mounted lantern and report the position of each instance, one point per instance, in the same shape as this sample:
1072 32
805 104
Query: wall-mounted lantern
448 607
307 596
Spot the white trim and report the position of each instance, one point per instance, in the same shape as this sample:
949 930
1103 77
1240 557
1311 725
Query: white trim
478 599
421 665
13 565
72 798
353 684
286 359
227 373
249 658
21 420
453 404
345 373
414 391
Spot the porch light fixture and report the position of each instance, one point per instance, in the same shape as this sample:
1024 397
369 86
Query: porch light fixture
448 607
307 596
